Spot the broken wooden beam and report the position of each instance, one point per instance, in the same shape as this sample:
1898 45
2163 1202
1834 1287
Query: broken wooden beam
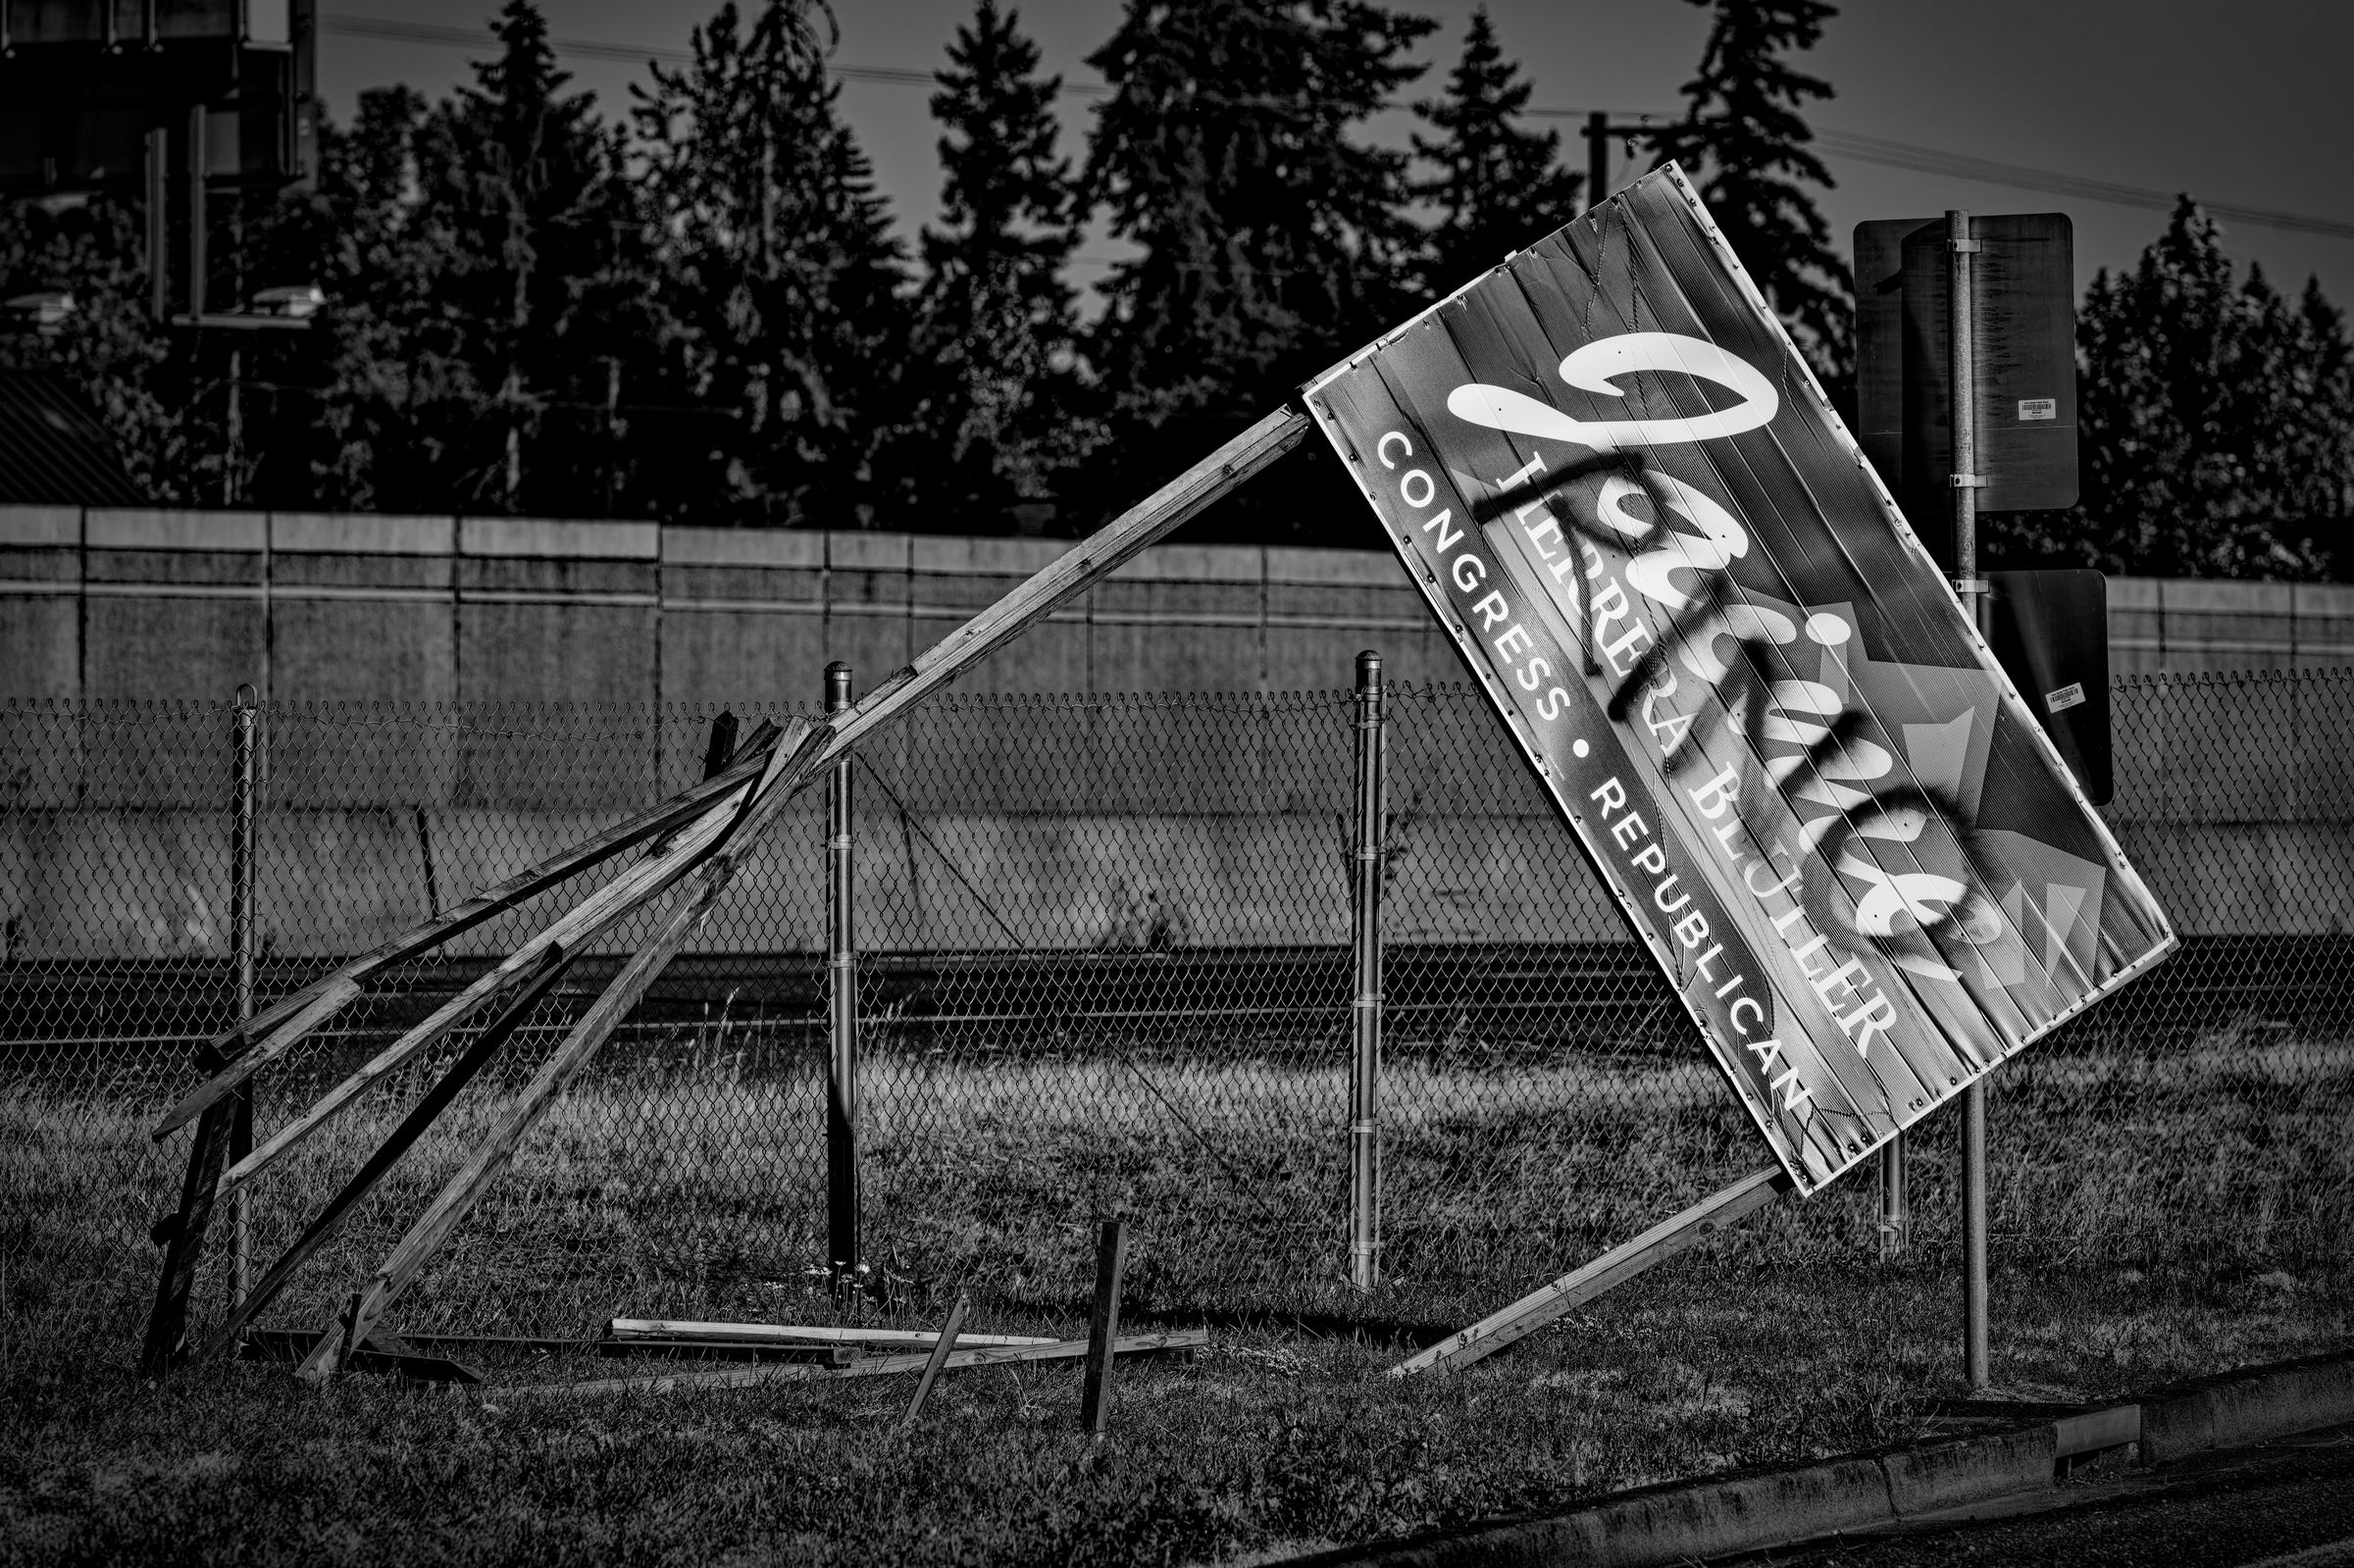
792 764
626 1329
421 1116
285 1022
1607 1272
383 1354
880 1366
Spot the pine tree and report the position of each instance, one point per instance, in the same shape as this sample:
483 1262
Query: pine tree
1273 238
1499 187
1744 144
996 320
2216 422
531 271
783 284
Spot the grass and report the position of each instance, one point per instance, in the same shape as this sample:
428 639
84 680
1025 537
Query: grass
2154 1217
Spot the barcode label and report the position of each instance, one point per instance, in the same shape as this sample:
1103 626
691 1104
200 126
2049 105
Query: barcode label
2071 695
2039 408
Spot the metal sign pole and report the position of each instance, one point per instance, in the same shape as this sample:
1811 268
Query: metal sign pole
1962 346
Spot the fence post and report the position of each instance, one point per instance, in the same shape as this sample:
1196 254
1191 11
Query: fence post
841 996
241 945
1364 1096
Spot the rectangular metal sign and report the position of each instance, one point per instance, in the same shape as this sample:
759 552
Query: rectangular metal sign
1740 677
2026 372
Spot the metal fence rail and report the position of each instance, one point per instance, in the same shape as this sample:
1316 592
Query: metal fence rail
1104 961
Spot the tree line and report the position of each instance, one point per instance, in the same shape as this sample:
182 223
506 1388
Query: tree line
699 310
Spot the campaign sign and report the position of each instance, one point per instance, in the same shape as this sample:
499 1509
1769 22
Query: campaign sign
1741 678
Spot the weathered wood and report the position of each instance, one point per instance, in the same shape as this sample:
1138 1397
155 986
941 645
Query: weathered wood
383 1353
285 1022
880 1366
1607 1272
799 1333
544 978
165 1345
1072 574
791 764
942 1348
467 1187
837 1356
572 931
1104 1328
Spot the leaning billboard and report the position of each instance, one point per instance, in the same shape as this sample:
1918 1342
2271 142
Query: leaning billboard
1757 702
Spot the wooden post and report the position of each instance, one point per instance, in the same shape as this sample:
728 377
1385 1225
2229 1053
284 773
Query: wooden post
1607 1272
841 1010
1103 1329
241 946
1365 1099
942 1349
1962 362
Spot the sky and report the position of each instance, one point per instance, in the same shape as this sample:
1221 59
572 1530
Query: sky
2240 104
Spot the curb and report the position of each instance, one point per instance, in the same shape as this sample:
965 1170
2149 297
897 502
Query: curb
1751 1510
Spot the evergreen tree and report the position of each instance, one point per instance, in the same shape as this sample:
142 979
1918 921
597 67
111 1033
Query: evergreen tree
997 323
1744 144
1499 187
781 277
525 200
1270 236
2217 421
1273 239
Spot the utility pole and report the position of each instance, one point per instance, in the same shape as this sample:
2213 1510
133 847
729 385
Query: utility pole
1598 134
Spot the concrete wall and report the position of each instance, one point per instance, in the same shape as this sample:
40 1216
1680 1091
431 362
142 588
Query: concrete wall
148 604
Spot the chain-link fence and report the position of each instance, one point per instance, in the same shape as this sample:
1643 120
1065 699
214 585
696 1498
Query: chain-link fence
1103 963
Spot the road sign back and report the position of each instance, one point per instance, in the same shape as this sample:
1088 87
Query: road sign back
2025 364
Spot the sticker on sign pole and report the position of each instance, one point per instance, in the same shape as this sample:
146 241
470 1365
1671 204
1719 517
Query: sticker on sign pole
1818 799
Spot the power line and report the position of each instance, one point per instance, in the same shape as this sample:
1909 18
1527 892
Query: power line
1841 144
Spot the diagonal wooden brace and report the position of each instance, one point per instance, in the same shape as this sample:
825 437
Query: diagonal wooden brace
1607 1272
285 1022
544 979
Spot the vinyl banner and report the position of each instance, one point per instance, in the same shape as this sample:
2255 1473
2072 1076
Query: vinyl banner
1741 678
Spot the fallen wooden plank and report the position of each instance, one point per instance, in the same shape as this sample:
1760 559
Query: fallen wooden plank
881 1366
1613 1269
792 1334
839 1355
383 1354
421 1116
284 1022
